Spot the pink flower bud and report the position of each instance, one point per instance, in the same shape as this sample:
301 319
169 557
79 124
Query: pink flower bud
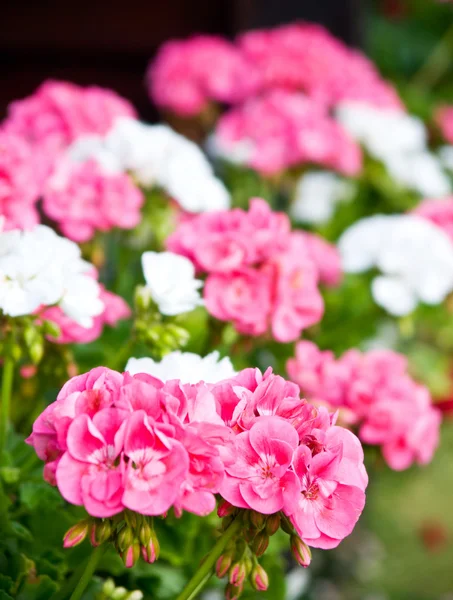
151 550
259 578
225 509
76 534
238 573
28 371
222 565
125 538
300 551
131 555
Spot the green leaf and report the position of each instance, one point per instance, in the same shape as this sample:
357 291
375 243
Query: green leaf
34 495
41 590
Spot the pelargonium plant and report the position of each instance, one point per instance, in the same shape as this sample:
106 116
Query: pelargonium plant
304 229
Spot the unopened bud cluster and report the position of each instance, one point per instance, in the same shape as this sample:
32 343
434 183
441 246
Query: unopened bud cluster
132 535
161 334
239 561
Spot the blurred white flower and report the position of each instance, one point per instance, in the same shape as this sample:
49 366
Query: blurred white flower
398 140
317 195
414 256
445 155
383 132
185 366
40 268
170 279
421 172
156 156
238 152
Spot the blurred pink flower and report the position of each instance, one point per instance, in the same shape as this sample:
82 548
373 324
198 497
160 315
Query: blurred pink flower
19 182
83 199
282 129
187 74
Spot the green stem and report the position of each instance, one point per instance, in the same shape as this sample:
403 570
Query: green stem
202 575
119 361
7 386
437 63
88 572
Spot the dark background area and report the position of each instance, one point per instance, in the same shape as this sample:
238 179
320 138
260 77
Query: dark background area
109 42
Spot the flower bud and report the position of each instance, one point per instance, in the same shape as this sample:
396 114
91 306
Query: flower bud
131 555
76 534
144 534
273 524
237 574
300 551
125 538
119 593
108 588
232 592
135 595
151 550
100 532
285 524
226 509
259 578
258 520
51 328
249 534
222 565
260 543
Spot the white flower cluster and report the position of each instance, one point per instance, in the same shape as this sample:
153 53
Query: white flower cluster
398 140
185 366
170 280
317 195
156 156
414 256
39 268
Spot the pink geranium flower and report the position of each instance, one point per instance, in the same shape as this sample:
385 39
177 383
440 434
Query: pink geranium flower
20 184
260 478
438 211
180 79
158 465
83 199
261 276
390 409
282 129
89 473
322 497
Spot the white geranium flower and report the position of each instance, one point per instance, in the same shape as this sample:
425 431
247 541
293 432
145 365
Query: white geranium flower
40 268
383 132
185 366
157 155
419 171
170 279
414 256
317 195
398 140
445 155
92 147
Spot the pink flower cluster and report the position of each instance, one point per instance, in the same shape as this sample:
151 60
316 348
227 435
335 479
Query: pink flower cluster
112 441
439 212
297 57
390 409
305 56
260 275
282 129
444 119
59 112
19 185
115 309
33 138
188 73
83 199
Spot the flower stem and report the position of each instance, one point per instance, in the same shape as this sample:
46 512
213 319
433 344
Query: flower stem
7 386
202 575
88 572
